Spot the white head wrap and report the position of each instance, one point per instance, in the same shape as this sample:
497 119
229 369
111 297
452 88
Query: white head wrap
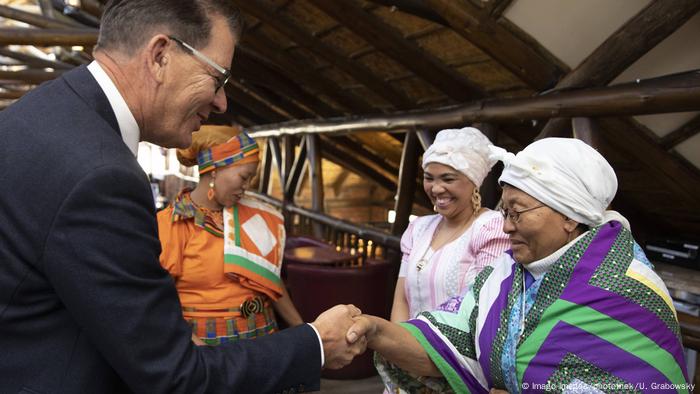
565 174
466 150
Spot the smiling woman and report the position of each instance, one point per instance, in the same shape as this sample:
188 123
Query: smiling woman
576 307
224 249
443 253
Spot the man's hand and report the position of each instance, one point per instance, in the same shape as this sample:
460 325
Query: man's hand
333 326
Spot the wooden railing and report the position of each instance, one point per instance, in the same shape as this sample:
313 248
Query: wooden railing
363 241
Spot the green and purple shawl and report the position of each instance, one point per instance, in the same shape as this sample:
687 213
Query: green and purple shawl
601 320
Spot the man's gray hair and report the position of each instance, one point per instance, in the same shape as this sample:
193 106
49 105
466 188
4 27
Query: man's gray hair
128 24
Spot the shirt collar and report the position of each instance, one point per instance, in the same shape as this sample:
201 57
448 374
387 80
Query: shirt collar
128 127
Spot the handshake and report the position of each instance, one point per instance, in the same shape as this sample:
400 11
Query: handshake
345 333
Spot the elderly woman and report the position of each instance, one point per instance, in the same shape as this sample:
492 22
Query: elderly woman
443 253
223 248
574 307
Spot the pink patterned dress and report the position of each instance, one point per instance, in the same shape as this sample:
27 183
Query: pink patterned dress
449 270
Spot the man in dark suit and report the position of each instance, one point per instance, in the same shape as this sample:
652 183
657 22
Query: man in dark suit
84 305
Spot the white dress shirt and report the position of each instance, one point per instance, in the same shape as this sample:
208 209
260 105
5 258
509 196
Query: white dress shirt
128 127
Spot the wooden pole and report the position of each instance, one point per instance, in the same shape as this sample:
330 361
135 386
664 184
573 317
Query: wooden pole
624 47
30 76
489 190
34 61
265 168
586 130
316 176
477 26
295 175
48 37
407 183
32 19
338 224
685 132
673 93
10 95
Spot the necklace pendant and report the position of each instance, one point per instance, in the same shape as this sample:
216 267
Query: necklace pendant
421 264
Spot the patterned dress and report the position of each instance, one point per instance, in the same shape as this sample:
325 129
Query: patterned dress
451 269
598 319
220 299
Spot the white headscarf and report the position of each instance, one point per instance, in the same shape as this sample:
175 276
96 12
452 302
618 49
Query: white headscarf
466 150
565 174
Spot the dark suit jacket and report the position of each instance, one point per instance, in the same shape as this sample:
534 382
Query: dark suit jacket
84 305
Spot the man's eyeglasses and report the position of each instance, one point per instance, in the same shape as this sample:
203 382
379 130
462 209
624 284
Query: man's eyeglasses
514 215
225 73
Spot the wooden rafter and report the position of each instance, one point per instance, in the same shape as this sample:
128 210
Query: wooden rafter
313 156
248 67
30 76
34 61
496 8
33 19
92 7
480 29
295 68
391 43
673 93
262 109
48 37
415 8
683 133
282 102
274 145
265 170
265 13
407 183
624 136
10 95
296 173
630 42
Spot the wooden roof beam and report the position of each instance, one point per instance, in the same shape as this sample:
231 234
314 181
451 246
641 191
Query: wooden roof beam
48 37
265 13
685 132
33 19
477 26
673 93
406 189
286 105
413 7
4 95
34 61
631 41
391 43
299 70
30 76
258 72
262 109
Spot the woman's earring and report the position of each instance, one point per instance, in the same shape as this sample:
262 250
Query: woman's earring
476 200
434 208
210 193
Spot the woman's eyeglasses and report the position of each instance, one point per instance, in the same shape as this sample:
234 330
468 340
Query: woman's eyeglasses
514 215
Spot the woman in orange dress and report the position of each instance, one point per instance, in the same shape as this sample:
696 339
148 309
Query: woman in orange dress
223 248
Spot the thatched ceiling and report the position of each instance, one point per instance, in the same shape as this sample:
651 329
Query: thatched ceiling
306 59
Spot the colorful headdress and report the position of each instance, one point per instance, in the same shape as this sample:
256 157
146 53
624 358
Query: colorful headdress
240 149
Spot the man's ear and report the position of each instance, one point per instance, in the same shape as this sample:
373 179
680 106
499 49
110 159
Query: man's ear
158 51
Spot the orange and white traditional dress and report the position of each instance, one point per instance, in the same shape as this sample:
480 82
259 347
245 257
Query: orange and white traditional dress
226 274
